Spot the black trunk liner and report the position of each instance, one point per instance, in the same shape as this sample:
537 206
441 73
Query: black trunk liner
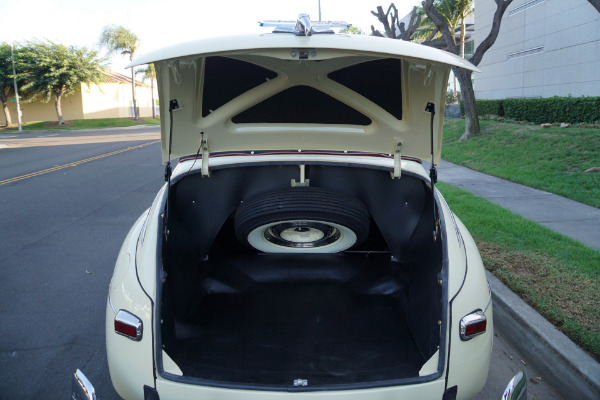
275 333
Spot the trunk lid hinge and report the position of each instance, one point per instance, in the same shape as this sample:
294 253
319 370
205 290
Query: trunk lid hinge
205 155
397 161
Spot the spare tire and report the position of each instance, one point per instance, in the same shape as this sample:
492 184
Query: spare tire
302 220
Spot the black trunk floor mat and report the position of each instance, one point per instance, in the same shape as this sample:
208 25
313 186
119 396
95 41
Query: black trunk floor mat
274 334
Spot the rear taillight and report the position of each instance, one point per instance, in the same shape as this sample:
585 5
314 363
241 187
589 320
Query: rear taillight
472 325
128 325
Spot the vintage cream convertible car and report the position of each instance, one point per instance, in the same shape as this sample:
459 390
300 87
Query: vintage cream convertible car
299 250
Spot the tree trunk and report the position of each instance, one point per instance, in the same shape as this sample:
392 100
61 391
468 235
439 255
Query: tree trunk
468 97
464 76
153 104
455 93
6 113
595 4
135 112
57 99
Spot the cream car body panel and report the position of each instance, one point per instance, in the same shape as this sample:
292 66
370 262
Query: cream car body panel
130 363
474 294
424 391
464 354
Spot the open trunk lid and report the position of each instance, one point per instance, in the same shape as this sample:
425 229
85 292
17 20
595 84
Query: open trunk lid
285 92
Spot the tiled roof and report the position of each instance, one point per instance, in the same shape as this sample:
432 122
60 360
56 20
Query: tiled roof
115 77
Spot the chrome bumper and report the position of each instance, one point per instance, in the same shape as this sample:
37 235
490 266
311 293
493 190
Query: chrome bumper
517 388
81 387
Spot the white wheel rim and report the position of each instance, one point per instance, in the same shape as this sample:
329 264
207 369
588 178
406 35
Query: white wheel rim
302 235
305 240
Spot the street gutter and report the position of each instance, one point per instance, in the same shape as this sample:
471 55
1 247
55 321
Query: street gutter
573 373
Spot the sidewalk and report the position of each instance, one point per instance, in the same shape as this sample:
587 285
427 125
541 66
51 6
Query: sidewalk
570 218
573 373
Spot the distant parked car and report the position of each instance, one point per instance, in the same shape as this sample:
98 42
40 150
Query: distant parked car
299 249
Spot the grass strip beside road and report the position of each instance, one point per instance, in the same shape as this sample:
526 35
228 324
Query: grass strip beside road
556 275
549 159
84 124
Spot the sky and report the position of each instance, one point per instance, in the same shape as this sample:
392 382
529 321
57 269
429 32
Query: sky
160 23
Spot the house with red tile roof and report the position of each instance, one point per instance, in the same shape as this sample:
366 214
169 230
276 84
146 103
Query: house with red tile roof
111 99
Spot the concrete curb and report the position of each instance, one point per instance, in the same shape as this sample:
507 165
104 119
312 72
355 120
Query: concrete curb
573 373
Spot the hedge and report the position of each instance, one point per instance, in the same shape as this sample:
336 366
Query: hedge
490 107
549 110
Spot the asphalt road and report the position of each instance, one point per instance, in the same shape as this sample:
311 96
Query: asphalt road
67 200
61 232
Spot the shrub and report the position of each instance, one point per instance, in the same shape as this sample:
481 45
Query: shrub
549 110
490 107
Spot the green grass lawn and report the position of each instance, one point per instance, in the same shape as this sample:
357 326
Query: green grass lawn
552 159
556 275
85 124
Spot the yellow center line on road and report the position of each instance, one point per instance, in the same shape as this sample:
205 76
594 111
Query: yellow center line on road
75 163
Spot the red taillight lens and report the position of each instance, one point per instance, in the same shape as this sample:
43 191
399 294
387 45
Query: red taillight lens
476 328
125 329
128 325
472 325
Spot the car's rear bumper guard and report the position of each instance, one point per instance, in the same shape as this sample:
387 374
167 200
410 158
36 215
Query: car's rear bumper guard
81 387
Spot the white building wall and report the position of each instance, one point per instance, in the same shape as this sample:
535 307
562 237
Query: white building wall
563 40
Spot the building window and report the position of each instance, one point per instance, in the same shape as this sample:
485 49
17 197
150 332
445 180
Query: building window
525 53
524 7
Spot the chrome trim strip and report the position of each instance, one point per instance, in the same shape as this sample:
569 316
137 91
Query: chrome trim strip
489 299
110 301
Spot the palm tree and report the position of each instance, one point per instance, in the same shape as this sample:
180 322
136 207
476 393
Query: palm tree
454 12
464 9
118 39
149 73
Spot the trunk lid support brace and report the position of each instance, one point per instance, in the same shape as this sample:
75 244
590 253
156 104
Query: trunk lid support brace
430 108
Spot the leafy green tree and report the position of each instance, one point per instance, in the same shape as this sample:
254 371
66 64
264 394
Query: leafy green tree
54 70
7 87
441 18
454 12
149 73
352 30
118 39
464 76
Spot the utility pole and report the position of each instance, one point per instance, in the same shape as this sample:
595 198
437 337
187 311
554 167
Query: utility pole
319 10
12 57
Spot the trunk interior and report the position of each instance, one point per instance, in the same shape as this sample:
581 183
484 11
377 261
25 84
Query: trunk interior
232 315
